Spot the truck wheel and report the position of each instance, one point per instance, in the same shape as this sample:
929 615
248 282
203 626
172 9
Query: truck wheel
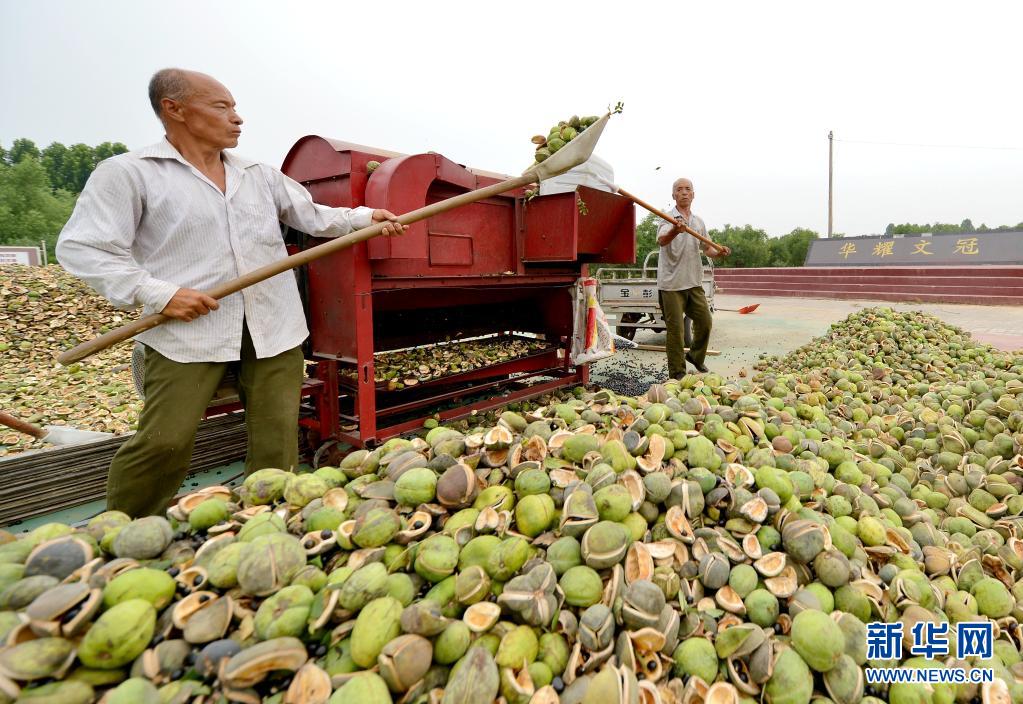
628 332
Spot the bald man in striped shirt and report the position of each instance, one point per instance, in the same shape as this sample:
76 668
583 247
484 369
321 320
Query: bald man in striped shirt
154 228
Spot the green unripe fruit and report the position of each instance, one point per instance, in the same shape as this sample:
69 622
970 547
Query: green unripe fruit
818 639
582 586
208 514
696 657
416 486
119 635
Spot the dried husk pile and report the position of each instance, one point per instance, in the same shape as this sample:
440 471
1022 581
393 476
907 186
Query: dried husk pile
708 542
43 311
417 365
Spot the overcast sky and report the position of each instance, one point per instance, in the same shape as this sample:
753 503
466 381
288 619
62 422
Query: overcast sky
738 96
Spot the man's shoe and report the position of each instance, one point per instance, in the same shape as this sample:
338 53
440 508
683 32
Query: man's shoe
701 368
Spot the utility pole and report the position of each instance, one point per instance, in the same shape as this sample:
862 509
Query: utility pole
831 153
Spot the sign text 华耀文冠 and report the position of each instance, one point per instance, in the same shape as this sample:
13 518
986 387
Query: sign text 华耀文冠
917 250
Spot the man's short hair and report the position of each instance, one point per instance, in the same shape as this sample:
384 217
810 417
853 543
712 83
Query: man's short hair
167 83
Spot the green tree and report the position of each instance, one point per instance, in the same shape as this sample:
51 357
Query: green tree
966 226
3 155
22 148
790 249
646 237
54 160
749 245
69 168
29 210
108 149
81 160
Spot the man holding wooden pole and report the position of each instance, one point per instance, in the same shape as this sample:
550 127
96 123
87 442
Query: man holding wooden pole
680 281
155 228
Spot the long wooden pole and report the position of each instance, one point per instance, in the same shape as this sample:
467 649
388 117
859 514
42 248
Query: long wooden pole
149 322
665 216
21 426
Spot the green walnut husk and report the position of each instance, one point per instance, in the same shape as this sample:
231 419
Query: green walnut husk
817 639
154 586
119 635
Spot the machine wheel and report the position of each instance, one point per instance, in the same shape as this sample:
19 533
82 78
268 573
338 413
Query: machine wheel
628 332
330 454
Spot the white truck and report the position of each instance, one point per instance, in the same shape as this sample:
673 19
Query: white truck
629 298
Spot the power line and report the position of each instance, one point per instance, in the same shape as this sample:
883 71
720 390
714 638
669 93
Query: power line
934 146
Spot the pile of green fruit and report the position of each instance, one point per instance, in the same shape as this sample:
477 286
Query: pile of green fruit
560 135
710 541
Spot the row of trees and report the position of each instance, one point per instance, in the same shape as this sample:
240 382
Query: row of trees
966 226
67 168
38 188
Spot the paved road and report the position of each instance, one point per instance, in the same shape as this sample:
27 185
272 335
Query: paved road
781 325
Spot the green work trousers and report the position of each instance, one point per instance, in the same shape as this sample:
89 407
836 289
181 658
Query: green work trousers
148 469
676 306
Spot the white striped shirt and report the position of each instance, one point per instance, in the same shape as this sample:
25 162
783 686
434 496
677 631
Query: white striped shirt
679 263
148 223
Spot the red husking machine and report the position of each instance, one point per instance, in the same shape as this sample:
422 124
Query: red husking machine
501 272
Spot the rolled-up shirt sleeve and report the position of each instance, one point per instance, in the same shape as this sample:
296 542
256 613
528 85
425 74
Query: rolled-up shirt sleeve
295 208
96 243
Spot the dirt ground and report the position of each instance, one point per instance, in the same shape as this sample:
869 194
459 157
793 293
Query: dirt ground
781 325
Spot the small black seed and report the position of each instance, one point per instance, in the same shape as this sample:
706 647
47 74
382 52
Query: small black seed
308 545
321 651
197 581
204 598
174 571
326 533
70 614
558 684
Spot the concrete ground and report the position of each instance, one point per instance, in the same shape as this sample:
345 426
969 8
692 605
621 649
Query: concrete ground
781 325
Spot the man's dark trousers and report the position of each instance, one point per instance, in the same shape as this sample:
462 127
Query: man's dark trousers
675 307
